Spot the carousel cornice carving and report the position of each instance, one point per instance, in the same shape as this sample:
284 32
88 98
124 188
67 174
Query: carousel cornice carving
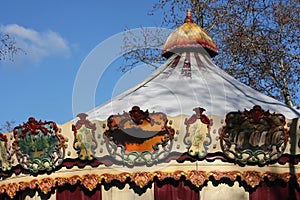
142 179
138 137
38 145
254 136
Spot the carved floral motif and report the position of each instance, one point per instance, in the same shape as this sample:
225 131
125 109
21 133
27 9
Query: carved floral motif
46 185
273 176
254 136
252 178
196 177
141 179
84 134
90 181
74 179
12 189
38 146
218 175
61 181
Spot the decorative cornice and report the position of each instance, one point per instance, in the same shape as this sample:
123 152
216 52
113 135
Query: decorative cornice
142 179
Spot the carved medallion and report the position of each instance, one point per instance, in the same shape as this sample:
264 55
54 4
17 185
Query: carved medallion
38 146
84 134
197 137
139 137
254 136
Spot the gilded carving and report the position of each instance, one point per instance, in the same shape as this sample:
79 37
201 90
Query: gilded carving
46 185
218 175
90 181
12 189
61 181
273 176
73 180
142 179
196 177
252 178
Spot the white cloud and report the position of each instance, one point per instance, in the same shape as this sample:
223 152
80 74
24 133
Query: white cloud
37 45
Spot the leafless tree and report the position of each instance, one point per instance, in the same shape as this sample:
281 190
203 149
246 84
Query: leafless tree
7 126
258 41
7 51
8 47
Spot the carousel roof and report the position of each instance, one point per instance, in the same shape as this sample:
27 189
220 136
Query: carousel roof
182 124
189 78
189 37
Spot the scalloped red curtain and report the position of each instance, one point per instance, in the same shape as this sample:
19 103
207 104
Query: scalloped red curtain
78 194
274 192
178 191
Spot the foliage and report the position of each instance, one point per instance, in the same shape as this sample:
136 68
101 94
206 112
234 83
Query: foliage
258 41
38 146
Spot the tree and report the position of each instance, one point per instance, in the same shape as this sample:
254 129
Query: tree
7 126
258 41
7 51
7 47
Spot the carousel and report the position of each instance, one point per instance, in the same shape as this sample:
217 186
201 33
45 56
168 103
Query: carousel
188 131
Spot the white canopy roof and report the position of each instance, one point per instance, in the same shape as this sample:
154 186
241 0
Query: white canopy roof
188 80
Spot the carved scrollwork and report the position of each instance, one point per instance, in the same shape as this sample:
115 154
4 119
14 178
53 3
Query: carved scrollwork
197 137
84 134
38 146
254 136
138 137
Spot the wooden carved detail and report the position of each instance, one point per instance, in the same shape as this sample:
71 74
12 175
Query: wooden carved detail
46 185
90 181
38 145
252 178
197 137
5 155
197 177
84 134
142 179
12 189
141 136
218 175
254 136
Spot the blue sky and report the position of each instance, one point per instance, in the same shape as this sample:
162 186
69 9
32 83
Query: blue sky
57 36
